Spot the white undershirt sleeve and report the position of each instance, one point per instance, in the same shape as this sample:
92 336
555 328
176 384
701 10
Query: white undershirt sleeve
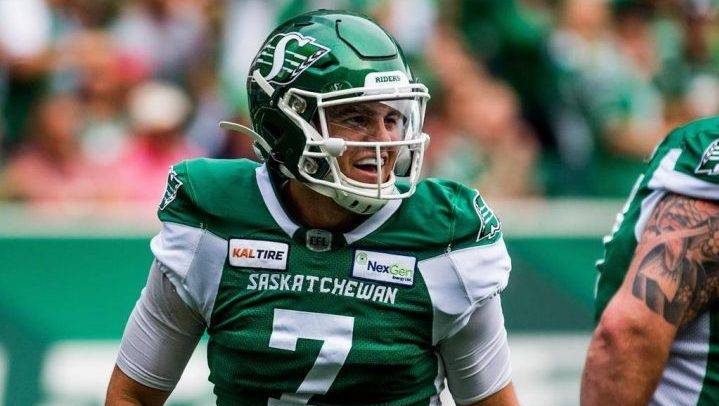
476 358
160 335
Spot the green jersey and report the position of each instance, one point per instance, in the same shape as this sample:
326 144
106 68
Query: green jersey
306 316
686 163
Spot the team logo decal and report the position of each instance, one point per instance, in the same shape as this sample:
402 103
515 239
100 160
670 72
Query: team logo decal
489 223
173 185
285 56
709 164
383 267
258 254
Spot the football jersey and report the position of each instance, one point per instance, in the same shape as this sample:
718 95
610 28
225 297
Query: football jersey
686 163
306 316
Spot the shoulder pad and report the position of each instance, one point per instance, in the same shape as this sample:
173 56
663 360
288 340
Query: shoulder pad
451 214
211 193
700 156
687 162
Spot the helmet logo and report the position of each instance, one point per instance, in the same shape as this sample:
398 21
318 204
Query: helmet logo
285 56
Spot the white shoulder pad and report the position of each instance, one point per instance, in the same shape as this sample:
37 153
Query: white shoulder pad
461 280
193 260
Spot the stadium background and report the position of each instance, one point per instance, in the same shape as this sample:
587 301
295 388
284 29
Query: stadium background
548 107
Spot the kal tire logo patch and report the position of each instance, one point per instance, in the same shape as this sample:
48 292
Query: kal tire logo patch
285 56
258 254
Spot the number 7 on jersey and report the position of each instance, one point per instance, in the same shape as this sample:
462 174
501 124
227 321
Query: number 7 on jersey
336 333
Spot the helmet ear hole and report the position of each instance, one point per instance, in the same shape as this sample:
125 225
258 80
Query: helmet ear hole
298 104
310 165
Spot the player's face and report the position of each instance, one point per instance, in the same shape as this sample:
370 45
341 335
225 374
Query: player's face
369 121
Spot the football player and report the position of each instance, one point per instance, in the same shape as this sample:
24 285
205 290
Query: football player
657 341
329 274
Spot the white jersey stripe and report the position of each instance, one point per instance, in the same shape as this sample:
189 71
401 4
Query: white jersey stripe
374 222
681 383
665 177
272 203
648 205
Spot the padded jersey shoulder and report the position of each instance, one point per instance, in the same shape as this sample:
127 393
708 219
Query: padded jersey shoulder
443 213
201 192
698 142
687 161
473 264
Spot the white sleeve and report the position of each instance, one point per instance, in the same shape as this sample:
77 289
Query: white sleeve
194 259
476 358
160 335
462 280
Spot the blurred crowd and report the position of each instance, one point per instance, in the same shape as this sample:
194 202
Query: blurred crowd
530 97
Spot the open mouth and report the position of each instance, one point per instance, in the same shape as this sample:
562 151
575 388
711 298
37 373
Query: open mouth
366 169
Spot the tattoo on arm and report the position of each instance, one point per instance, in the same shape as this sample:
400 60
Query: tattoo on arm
678 259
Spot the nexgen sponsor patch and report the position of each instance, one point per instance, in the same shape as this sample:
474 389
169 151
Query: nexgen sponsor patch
258 254
383 267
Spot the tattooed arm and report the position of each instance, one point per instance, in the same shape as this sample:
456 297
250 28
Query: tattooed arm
673 277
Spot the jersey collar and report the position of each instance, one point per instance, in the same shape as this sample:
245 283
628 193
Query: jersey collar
269 195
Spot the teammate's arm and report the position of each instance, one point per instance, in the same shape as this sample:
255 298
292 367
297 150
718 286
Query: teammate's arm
673 277
159 339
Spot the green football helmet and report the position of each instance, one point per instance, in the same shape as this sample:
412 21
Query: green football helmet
314 63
